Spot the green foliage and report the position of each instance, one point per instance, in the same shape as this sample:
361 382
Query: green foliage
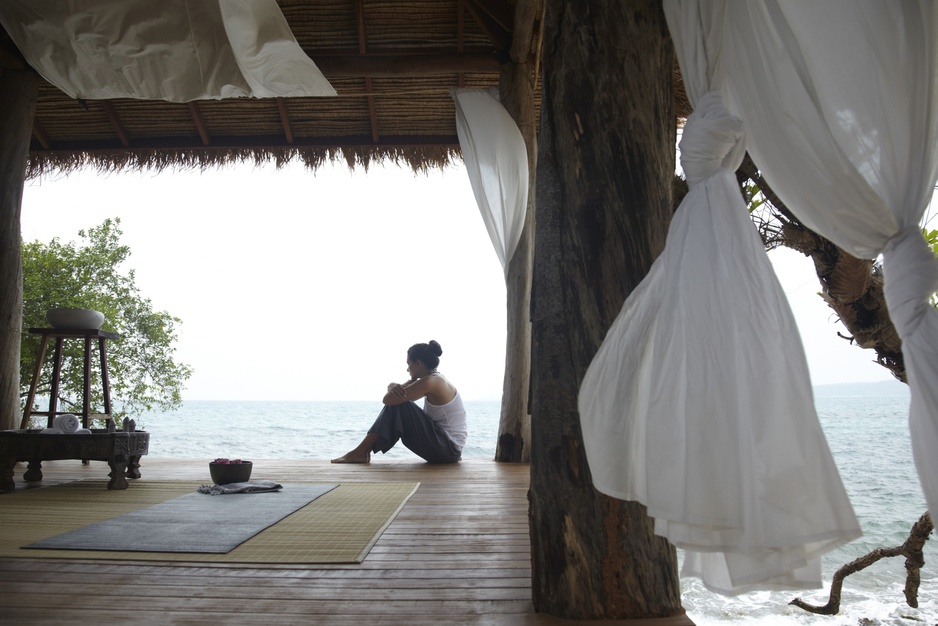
752 196
931 237
763 215
141 370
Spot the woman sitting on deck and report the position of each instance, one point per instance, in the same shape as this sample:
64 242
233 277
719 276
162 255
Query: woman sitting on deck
436 433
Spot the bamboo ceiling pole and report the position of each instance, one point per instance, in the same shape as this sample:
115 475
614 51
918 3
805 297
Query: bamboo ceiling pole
18 92
516 84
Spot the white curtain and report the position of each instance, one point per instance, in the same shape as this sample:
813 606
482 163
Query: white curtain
698 403
840 100
175 50
496 159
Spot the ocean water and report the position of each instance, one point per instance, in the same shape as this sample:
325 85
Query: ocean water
868 436
291 430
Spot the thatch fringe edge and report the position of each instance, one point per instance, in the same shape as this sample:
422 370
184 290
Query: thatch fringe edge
421 159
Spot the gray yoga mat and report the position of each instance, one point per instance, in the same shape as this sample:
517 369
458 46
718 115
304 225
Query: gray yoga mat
195 522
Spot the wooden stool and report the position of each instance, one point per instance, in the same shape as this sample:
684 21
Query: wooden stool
61 334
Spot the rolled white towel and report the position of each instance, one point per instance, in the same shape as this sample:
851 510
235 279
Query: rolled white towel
66 423
56 431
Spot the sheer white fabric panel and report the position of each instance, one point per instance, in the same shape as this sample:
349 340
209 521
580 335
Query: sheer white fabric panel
497 162
841 104
271 61
175 50
698 403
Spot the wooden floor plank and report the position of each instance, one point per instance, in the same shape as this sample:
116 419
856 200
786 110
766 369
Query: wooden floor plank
457 553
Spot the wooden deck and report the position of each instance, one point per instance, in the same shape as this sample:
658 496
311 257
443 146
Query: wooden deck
458 553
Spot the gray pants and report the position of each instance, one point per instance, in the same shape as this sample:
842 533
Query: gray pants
410 425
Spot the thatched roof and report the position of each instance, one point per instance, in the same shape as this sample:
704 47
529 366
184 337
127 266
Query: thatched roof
392 63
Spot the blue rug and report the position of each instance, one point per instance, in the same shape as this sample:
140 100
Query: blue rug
195 522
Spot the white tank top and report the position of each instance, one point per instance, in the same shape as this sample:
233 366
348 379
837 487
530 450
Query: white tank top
451 417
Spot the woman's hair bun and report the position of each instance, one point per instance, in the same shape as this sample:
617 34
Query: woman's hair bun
435 348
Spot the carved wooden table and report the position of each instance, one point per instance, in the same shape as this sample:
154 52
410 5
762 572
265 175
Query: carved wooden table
122 451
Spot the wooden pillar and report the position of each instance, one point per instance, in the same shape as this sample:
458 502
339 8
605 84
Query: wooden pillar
516 86
604 171
18 91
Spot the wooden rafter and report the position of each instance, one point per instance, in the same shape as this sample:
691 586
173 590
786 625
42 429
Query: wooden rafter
41 135
372 111
461 36
397 65
115 120
496 19
199 122
363 50
498 11
285 119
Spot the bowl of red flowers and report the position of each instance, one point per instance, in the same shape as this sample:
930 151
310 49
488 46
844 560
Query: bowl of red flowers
225 471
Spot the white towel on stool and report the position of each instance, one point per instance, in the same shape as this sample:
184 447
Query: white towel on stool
55 431
66 423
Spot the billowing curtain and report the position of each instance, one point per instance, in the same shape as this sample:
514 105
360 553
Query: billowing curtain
840 100
175 50
495 156
698 403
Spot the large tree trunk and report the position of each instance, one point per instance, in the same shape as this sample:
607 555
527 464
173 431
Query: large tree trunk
517 93
605 164
18 91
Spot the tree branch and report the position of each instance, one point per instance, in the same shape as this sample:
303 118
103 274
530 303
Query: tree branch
914 560
852 287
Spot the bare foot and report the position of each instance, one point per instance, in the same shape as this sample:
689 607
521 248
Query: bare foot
354 457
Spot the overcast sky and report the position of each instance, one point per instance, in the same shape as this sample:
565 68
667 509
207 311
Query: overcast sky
300 286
